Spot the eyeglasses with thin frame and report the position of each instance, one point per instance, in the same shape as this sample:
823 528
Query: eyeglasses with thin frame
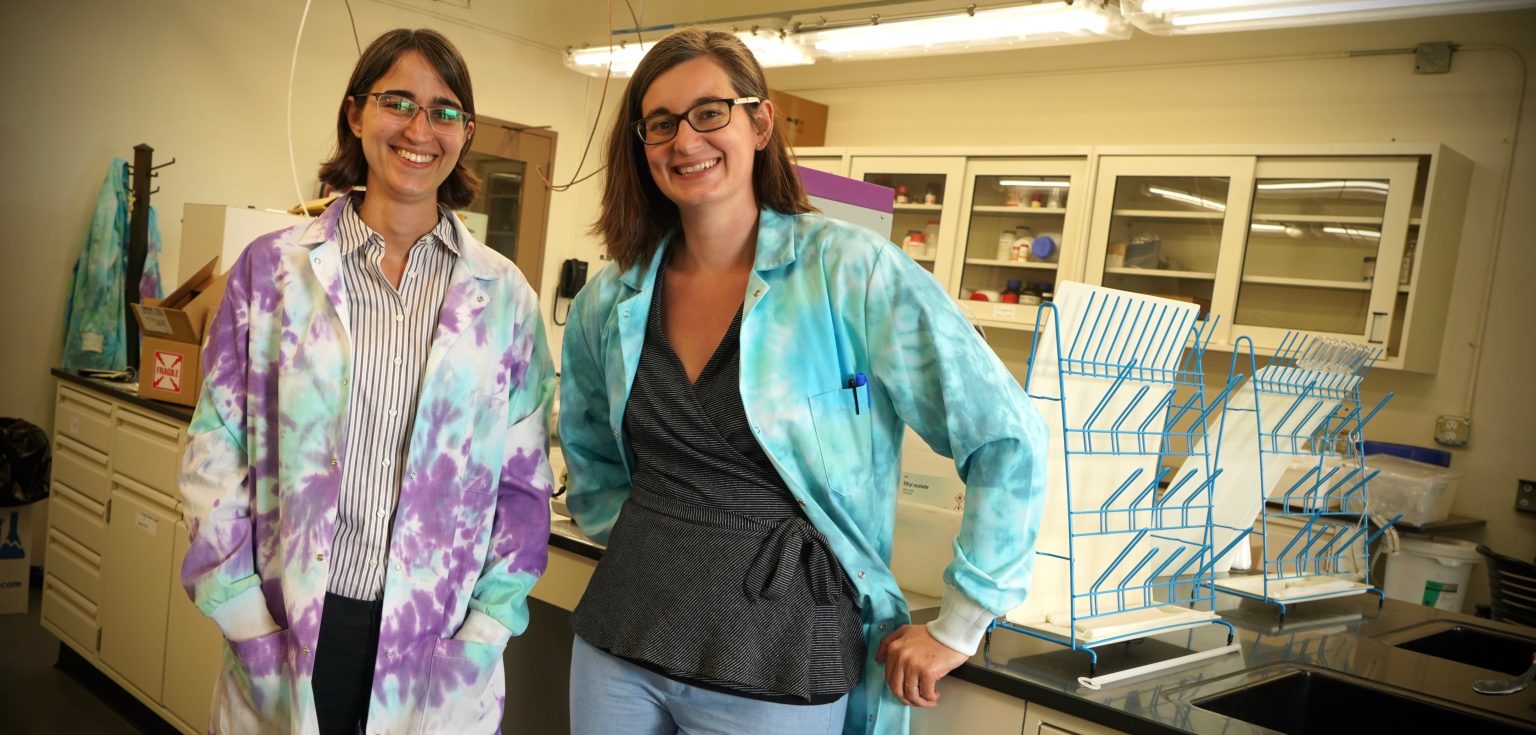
704 117
445 119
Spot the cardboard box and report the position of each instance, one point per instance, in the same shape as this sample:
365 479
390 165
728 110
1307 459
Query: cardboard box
170 356
15 559
804 122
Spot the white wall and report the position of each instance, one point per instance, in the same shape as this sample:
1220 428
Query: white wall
1290 87
204 83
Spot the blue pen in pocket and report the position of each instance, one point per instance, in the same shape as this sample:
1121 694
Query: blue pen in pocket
855 383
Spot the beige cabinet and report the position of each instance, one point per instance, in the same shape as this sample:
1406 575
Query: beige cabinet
969 708
1354 242
1046 721
194 648
134 587
112 578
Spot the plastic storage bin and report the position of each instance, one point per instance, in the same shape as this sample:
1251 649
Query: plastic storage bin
1421 492
1432 572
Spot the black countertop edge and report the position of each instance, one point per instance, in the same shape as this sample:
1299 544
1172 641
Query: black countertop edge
576 547
1060 701
171 410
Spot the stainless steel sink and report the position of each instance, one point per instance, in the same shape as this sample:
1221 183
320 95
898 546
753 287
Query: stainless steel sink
1317 702
1485 648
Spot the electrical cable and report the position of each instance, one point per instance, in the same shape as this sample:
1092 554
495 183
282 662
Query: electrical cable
293 165
350 17
598 116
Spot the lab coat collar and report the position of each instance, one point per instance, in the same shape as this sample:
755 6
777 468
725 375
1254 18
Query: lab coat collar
775 249
473 255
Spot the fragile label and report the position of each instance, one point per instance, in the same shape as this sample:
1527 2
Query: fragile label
146 523
93 342
154 320
168 371
1005 311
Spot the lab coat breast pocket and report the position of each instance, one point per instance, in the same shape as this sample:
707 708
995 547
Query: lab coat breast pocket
487 443
844 436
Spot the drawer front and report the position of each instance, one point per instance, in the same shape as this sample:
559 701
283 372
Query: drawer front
81 468
75 566
70 614
84 418
78 517
147 450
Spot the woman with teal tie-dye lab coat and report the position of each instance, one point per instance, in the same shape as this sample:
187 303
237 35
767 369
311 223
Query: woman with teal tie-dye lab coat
825 303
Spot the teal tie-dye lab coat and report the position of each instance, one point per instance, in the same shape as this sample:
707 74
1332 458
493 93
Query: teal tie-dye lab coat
261 477
826 302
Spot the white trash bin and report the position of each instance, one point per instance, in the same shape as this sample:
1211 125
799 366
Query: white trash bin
1432 572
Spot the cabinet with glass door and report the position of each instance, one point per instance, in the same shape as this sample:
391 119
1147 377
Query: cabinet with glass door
1021 235
1171 227
926 190
1324 251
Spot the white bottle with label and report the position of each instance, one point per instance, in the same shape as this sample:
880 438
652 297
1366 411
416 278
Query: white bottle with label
1005 241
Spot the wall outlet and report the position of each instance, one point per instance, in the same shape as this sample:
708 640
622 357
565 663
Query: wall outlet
1525 497
1453 431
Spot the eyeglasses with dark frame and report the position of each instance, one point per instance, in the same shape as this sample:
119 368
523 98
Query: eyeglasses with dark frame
707 116
445 119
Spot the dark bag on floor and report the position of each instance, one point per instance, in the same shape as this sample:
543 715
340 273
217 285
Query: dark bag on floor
26 461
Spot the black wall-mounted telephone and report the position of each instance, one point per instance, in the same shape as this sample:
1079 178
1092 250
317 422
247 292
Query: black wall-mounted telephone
573 275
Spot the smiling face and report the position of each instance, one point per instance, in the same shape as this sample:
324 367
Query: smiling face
705 169
407 161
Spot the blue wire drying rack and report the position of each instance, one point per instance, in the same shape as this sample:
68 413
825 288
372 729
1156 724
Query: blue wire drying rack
1315 382
1143 358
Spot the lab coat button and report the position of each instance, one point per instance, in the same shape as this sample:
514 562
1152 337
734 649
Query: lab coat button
861 575
480 299
626 313
333 461
757 293
319 557
882 626
304 651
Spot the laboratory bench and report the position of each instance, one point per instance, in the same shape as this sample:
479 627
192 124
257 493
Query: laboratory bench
112 594
1377 650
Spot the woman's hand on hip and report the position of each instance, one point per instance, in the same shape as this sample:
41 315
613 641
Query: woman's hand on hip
914 664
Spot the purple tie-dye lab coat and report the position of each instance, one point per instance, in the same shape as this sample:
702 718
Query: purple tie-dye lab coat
261 477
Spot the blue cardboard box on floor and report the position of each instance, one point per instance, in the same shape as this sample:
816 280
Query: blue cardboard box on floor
15 562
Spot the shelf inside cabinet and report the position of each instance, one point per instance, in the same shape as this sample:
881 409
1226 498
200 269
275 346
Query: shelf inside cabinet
1309 283
1157 273
1342 219
1012 263
1168 215
918 207
994 209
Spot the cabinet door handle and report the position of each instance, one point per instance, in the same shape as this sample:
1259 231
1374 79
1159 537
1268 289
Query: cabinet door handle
1374 335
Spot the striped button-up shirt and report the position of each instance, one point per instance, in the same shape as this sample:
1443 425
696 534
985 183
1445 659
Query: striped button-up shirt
391 334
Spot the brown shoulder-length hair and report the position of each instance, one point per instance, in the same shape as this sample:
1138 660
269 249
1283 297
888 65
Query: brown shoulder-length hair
635 215
348 167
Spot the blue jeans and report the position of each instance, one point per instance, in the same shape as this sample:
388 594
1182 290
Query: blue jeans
611 695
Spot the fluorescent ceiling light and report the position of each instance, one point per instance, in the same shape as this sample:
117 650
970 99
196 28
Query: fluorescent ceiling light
1267 227
1036 184
1172 17
1187 198
1039 24
768 46
596 61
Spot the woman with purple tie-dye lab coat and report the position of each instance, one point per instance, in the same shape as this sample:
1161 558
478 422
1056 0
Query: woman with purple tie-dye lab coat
266 451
